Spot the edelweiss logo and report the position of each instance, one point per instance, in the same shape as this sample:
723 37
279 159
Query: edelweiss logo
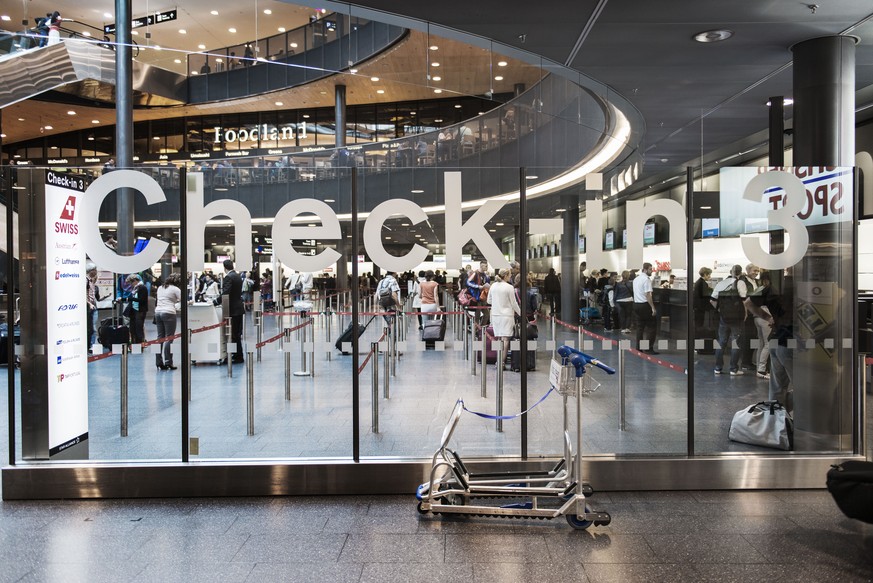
69 212
64 275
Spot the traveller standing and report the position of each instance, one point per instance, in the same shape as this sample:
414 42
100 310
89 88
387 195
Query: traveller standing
644 308
504 308
93 297
552 291
388 296
168 302
231 287
54 31
478 281
429 295
137 307
701 294
624 301
729 298
416 296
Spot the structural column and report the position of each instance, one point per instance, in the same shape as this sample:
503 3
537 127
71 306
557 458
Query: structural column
340 115
824 281
124 121
570 259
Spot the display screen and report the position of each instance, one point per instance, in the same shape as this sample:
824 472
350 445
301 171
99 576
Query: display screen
609 241
649 234
581 244
624 238
710 228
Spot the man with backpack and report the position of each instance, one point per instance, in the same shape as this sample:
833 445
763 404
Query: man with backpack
388 295
731 299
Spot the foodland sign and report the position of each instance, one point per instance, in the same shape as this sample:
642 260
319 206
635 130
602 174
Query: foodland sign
457 231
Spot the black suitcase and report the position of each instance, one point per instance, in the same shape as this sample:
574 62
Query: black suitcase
346 336
851 485
433 331
515 357
113 331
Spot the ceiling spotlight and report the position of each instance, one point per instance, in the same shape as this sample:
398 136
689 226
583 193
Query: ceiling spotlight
279 104
434 64
177 61
457 106
183 31
498 78
417 192
293 45
531 177
214 13
499 224
201 47
71 112
560 210
49 127
437 78
305 116
231 30
380 91
86 34
713 36
329 200
95 121
374 79
433 47
267 11
281 29
437 90
5 18
134 33
353 71
502 63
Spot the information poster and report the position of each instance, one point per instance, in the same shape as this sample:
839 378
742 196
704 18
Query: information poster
66 313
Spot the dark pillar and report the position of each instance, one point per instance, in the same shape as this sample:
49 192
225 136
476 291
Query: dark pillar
570 258
777 131
824 135
824 102
342 270
340 115
124 121
518 89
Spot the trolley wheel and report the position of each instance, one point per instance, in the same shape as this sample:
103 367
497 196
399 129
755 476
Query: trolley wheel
577 523
421 510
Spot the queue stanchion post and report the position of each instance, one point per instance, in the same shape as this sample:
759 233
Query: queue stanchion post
554 345
302 338
329 317
484 379
228 347
259 327
312 351
374 350
250 393
188 364
621 387
386 382
286 355
499 391
125 350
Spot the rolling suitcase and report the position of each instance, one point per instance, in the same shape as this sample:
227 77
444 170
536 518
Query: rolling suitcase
346 336
515 356
851 485
490 351
433 331
112 331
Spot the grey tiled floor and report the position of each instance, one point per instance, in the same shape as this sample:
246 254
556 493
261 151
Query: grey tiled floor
674 536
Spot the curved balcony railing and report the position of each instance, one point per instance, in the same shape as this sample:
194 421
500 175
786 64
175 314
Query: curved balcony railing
308 53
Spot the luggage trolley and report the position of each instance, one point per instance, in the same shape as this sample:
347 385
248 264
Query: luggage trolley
545 495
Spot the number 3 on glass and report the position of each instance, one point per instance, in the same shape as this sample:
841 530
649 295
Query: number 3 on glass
785 217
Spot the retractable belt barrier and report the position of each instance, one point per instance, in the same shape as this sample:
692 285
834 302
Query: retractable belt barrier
148 343
282 333
505 417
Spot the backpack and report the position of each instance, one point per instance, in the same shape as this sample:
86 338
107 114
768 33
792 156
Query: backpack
386 297
730 304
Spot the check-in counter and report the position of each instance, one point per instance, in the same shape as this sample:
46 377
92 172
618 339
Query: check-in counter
672 304
209 345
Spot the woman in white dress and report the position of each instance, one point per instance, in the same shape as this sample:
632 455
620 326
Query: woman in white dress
54 35
416 296
504 307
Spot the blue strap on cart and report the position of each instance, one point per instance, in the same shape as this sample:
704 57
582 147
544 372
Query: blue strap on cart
488 416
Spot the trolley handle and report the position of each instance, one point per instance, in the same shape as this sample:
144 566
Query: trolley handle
577 358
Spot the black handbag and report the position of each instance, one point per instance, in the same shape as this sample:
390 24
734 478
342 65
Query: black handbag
851 485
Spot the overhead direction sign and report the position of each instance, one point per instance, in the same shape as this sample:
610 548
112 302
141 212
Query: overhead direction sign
156 18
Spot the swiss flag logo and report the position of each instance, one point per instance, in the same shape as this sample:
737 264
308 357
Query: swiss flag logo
69 212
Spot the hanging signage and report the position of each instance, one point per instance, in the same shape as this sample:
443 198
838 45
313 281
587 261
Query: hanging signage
66 314
156 18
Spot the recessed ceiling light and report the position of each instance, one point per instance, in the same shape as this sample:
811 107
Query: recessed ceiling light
279 103
374 79
293 45
20 119
267 11
502 63
492 230
353 71
532 177
194 73
437 78
499 224
214 13
201 47
53 148
404 224
86 33
457 106
305 116
665 159
417 192
134 32
183 31
90 138
107 15
388 237
713 36
156 138
95 121
437 90
481 113
71 112
434 64
5 18
2 135
706 208
177 61
219 60
438 121
231 29
281 29
49 127
433 47
329 200
380 91
560 210
498 78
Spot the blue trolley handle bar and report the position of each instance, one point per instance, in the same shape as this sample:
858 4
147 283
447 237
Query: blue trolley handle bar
579 359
